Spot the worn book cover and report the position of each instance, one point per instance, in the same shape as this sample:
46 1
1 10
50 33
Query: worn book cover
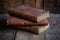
29 13
22 22
34 29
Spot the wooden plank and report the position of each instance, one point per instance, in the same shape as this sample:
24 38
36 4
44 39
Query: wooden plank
18 2
33 3
10 3
29 13
38 4
22 35
30 3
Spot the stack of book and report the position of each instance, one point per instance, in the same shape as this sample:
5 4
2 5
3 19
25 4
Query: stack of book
28 19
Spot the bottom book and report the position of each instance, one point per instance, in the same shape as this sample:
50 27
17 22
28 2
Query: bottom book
34 29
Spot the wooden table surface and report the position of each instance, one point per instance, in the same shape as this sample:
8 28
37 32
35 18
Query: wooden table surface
23 35
53 33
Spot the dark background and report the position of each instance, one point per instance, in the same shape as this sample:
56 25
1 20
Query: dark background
50 5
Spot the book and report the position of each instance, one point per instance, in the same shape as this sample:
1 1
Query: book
22 22
34 29
29 13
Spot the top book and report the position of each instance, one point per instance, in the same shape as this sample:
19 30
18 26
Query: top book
29 13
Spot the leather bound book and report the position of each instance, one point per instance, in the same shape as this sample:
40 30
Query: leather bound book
29 13
22 22
34 29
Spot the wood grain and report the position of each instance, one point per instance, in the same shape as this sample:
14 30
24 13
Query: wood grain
30 3
10 3
22 35
38 4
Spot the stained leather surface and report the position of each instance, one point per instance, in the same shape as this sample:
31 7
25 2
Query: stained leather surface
19 21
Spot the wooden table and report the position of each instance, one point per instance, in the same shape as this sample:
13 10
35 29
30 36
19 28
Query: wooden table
22 35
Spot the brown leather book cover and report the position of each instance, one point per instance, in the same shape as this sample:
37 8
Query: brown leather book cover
22 22
34 29
29 13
